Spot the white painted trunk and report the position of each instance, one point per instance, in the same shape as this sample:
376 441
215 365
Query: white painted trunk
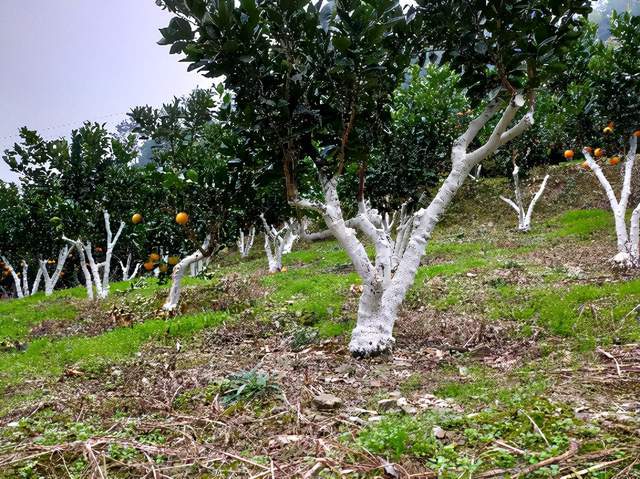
126 267
50 281
245 243
111 243
476 175
88 279
25 279
36 282
627 237
387 279
524 217
318 235
178 273
290 236
16 278
277 243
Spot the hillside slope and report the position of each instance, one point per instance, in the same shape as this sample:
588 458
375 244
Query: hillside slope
518 355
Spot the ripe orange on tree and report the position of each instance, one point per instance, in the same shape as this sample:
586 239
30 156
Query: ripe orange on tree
148 266
173 260
163 268
608 130
568 154
137 218
614 160
599 152
636 133
154 257
182 218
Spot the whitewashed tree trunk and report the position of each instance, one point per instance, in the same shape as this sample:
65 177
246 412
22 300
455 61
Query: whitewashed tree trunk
50 281
524 216
199 266
627 239
290 236
16 278
318 235
245 243
476 175
91 269
385 281
111 243
126 267
88 281
25 279
178 273
36 282
277 243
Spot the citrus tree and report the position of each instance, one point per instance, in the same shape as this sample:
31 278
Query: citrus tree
317 79
428 111
614 104
202 192
68 186
14 251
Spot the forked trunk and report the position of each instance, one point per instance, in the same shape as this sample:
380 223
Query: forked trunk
387 279
179 271
628 238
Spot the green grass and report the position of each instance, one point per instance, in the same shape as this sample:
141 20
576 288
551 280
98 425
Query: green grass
506 415
45 358
580 223
19 316
588 315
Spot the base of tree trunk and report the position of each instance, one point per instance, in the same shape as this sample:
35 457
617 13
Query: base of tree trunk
624 260
367 342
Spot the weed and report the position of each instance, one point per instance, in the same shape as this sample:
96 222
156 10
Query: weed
246 386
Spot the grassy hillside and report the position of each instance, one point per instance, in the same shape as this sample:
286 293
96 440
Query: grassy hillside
518 355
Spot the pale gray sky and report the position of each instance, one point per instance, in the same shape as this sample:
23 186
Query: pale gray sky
66 61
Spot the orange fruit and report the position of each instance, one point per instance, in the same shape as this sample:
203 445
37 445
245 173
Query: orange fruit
98 249
608 130
614 160
148 265
173 260
568 154
182 218
137 218
636 133
599 152
154 257
585 165
163 268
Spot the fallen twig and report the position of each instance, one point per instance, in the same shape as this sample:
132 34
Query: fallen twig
596 467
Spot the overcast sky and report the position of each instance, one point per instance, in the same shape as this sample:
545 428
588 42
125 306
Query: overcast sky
66 61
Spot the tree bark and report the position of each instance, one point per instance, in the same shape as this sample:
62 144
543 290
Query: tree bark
50 281
245 243
277 243
14 275
387 279
126 267
178 273
80 248
524 217
627 239
111 243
